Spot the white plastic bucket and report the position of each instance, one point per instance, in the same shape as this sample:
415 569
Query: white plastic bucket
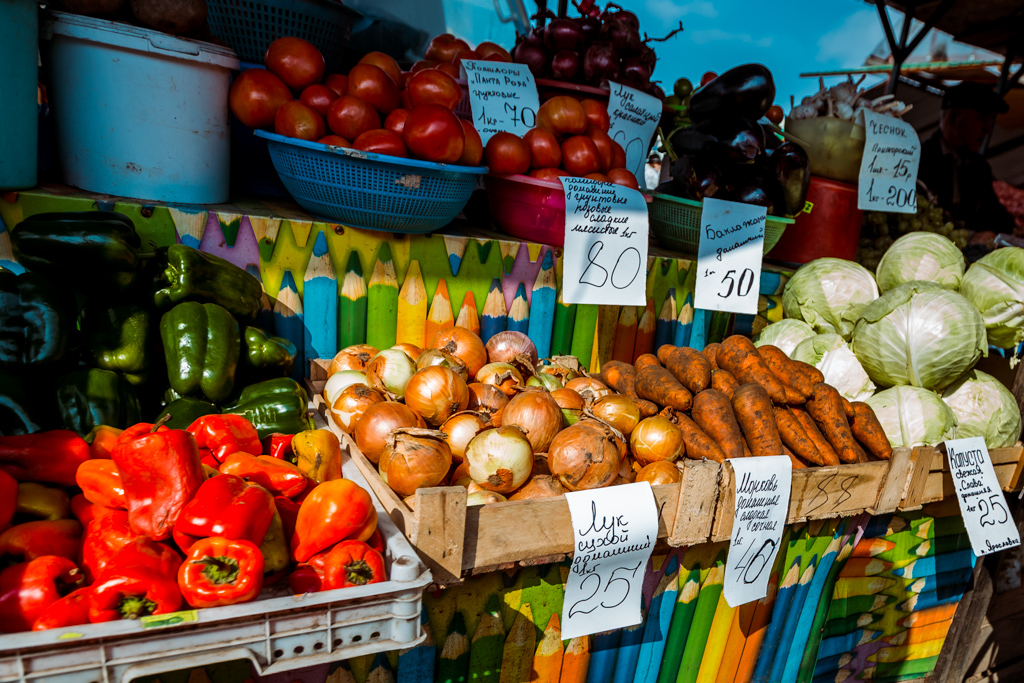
139 113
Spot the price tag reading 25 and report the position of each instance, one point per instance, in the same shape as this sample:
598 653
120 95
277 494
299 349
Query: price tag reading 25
729 257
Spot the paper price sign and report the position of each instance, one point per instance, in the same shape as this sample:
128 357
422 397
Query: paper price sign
982 504
503 97
634 116
729 256
614 530
605 255
888 170
762 504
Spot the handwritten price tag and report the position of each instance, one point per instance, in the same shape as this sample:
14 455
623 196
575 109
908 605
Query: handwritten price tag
605 244
982 504
762 502
503 97
634 117
729 256
888 170
614 530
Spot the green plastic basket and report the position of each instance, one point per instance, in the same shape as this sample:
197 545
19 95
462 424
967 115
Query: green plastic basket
675 222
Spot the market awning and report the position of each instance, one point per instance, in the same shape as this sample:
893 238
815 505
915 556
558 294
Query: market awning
992 24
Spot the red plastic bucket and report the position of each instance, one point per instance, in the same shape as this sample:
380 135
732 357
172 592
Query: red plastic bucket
828 226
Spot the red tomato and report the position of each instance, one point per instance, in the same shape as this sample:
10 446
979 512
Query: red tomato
506 153
385 62
621 176
381 141
708 76
404 101
547 173
297 120
255 97
295 61
465 54
449 69
619 159
319 98
597 114
605 147
598 176
337 82
579 155
396 120
444 47
334 140
473 151
350 117
488 49
423 64
775 114
432 86
434 133
372 85
564 114
544 149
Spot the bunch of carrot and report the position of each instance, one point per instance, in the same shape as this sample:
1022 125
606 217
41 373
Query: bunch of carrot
744 400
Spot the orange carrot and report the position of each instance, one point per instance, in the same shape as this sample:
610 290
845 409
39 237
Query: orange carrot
622 378
738 355
698 444
795 436
847 408
824 448
826 407
712 411
862 455
812 373
644 360
754 414
689 366
782 367
868 431
660 386
710 352
798 464
724 382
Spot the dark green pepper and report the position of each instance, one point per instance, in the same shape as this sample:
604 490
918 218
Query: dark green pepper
263 352
36 320
277 405
191 275
94 251
201 347
88 398
16 408
118 337
183 412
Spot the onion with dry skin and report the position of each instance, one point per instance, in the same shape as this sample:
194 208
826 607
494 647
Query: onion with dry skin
463 344
559 372
571 404
460 475
351 403
437 357
540 464
410 350
589 388
339 381
618 410
381 419
656 438
500 459
659 472
389 371
502 375
585 456
484 498
460 429
414 459
504 346
355 357
539 486
436 393
536 413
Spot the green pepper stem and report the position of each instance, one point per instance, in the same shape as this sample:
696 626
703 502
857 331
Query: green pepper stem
160 423
219 570
135 606
358 572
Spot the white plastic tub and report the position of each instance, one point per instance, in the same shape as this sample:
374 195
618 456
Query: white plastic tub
139 113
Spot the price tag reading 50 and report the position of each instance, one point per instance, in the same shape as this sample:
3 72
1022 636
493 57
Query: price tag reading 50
729 256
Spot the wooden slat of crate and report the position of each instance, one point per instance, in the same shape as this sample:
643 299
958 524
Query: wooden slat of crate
1007 463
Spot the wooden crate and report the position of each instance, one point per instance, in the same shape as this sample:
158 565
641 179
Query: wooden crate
938 485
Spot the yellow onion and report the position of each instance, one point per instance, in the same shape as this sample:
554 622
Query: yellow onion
436 393
437 357
504 346
539 486
536 413
473 487
381 419
484 498
339 381
540 464
500 459
354 357
559 372
548 382
502 375
463 344
410 350
618 410
351 403
656 438
659 472
459 430
389 371
585 456
571 404
626 470
588 387
414 459
460 475
489 400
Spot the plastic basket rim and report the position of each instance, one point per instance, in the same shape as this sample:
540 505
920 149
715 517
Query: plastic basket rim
370 156
700 205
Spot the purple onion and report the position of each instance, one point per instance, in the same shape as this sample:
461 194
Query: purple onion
532 53
634 66
601 62
563 34
565 65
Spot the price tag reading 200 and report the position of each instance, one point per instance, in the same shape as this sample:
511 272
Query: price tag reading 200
888 170
729 257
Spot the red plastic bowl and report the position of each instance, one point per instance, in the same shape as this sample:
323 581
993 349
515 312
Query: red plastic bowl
528 208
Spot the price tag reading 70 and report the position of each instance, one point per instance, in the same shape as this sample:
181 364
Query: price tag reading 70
503 97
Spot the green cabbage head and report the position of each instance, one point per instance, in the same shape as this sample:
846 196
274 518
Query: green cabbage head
829 294
832 355
921 256
912 416
983 407
995 284
785 334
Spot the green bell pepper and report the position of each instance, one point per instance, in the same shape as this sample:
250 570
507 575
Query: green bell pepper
201 347
192 275
37 319
16 408
118 337
271 353
94 251
87 398
277 405
184 411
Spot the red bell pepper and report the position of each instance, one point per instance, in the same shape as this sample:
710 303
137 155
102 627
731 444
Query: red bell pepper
308 577
102 440
101 483
8 498
71 610
85 511
334 511
51 457
226 506
353 563
219 571
277 476
279 446
139 580
376 541
28 588
33 540
161 472
289 511
103 537
141 429
222 435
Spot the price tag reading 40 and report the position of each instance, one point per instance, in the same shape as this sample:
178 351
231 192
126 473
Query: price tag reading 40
888 170
986 516
729 257
503 97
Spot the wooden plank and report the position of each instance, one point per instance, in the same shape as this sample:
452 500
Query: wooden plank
440 530
698 499
894 487
939 484
922 457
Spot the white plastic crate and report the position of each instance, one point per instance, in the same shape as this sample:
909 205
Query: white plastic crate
276 634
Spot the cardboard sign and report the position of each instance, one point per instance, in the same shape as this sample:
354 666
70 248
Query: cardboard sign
634 117
888 170
614 530
605 255
762 503
729 256
982 504
503 97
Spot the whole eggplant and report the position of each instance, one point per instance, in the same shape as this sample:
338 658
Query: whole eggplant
729 138
790 167
693 177
745 92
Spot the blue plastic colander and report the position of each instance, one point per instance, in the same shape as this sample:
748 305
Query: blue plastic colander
367 190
